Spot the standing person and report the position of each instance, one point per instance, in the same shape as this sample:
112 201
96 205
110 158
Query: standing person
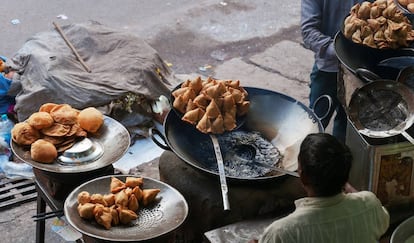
320 21
333 210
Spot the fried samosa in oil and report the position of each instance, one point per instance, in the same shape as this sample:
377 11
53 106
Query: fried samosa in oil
126 215
196 85
180 104
109 199
202 100
217 125
229 121
204 124
103 216
86 210
194 116
98 198
137 191
133 203
237 95
115 216
176 93
116 185
121 199
243 108
148 196
84 197
134 181
212 110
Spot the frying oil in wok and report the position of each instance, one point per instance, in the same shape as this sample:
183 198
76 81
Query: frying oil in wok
246 154
382 110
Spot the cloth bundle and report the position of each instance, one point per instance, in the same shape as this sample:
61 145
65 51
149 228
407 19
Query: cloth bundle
122 64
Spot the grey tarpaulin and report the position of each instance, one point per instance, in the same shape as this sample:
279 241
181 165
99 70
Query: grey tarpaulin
121 64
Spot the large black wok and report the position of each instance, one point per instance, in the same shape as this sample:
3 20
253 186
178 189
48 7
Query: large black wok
279 118
361 59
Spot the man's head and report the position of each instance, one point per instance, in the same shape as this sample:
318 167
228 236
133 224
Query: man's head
324 164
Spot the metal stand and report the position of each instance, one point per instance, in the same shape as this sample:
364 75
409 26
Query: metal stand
43 198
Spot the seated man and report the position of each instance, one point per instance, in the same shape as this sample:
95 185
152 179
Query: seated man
330 213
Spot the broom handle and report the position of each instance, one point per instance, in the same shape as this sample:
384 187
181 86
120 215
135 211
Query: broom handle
72 48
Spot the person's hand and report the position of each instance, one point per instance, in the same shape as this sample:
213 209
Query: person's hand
349 189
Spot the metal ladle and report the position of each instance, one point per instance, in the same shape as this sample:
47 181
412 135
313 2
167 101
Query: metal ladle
220 164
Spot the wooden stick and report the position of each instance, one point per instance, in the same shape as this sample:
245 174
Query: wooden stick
72 47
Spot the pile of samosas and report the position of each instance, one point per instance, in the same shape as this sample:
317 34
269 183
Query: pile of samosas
211 105
120 206
379 24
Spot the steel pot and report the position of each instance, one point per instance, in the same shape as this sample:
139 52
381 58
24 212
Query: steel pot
279 118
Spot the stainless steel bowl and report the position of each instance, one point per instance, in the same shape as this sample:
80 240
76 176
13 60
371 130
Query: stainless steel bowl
84 151
404 232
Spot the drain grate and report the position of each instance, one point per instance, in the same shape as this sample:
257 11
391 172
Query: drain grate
16 191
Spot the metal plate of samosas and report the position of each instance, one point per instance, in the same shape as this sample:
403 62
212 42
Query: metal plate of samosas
165 214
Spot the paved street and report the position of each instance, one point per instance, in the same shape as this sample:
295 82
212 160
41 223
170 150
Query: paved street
257 42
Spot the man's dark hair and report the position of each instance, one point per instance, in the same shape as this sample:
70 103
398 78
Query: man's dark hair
325 162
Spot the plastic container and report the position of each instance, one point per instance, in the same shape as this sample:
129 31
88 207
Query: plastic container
5 128
15 170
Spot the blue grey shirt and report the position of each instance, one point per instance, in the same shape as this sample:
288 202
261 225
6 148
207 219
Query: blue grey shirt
320 21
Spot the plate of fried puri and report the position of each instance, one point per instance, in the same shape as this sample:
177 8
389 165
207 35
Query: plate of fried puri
59 138
121 208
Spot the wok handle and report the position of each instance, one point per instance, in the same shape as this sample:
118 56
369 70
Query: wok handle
153 132
329 98
408 137
366 75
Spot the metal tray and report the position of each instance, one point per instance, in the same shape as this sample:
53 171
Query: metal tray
166 214
112 136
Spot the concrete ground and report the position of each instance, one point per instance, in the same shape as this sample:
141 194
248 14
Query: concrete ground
257 42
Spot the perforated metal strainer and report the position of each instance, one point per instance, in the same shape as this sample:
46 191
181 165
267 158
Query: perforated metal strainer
167 213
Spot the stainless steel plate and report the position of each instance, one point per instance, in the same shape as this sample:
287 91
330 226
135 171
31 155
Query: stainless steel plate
166 214
112 136
404 232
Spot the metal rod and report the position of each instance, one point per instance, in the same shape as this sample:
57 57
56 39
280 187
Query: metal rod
292 173
47 215
72 47
278 169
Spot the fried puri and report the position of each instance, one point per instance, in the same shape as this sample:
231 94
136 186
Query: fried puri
56 130
47 107
90 119
43 151
24 134
64 114
40 120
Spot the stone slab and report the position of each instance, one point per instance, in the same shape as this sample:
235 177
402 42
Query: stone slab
255 76
288 58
